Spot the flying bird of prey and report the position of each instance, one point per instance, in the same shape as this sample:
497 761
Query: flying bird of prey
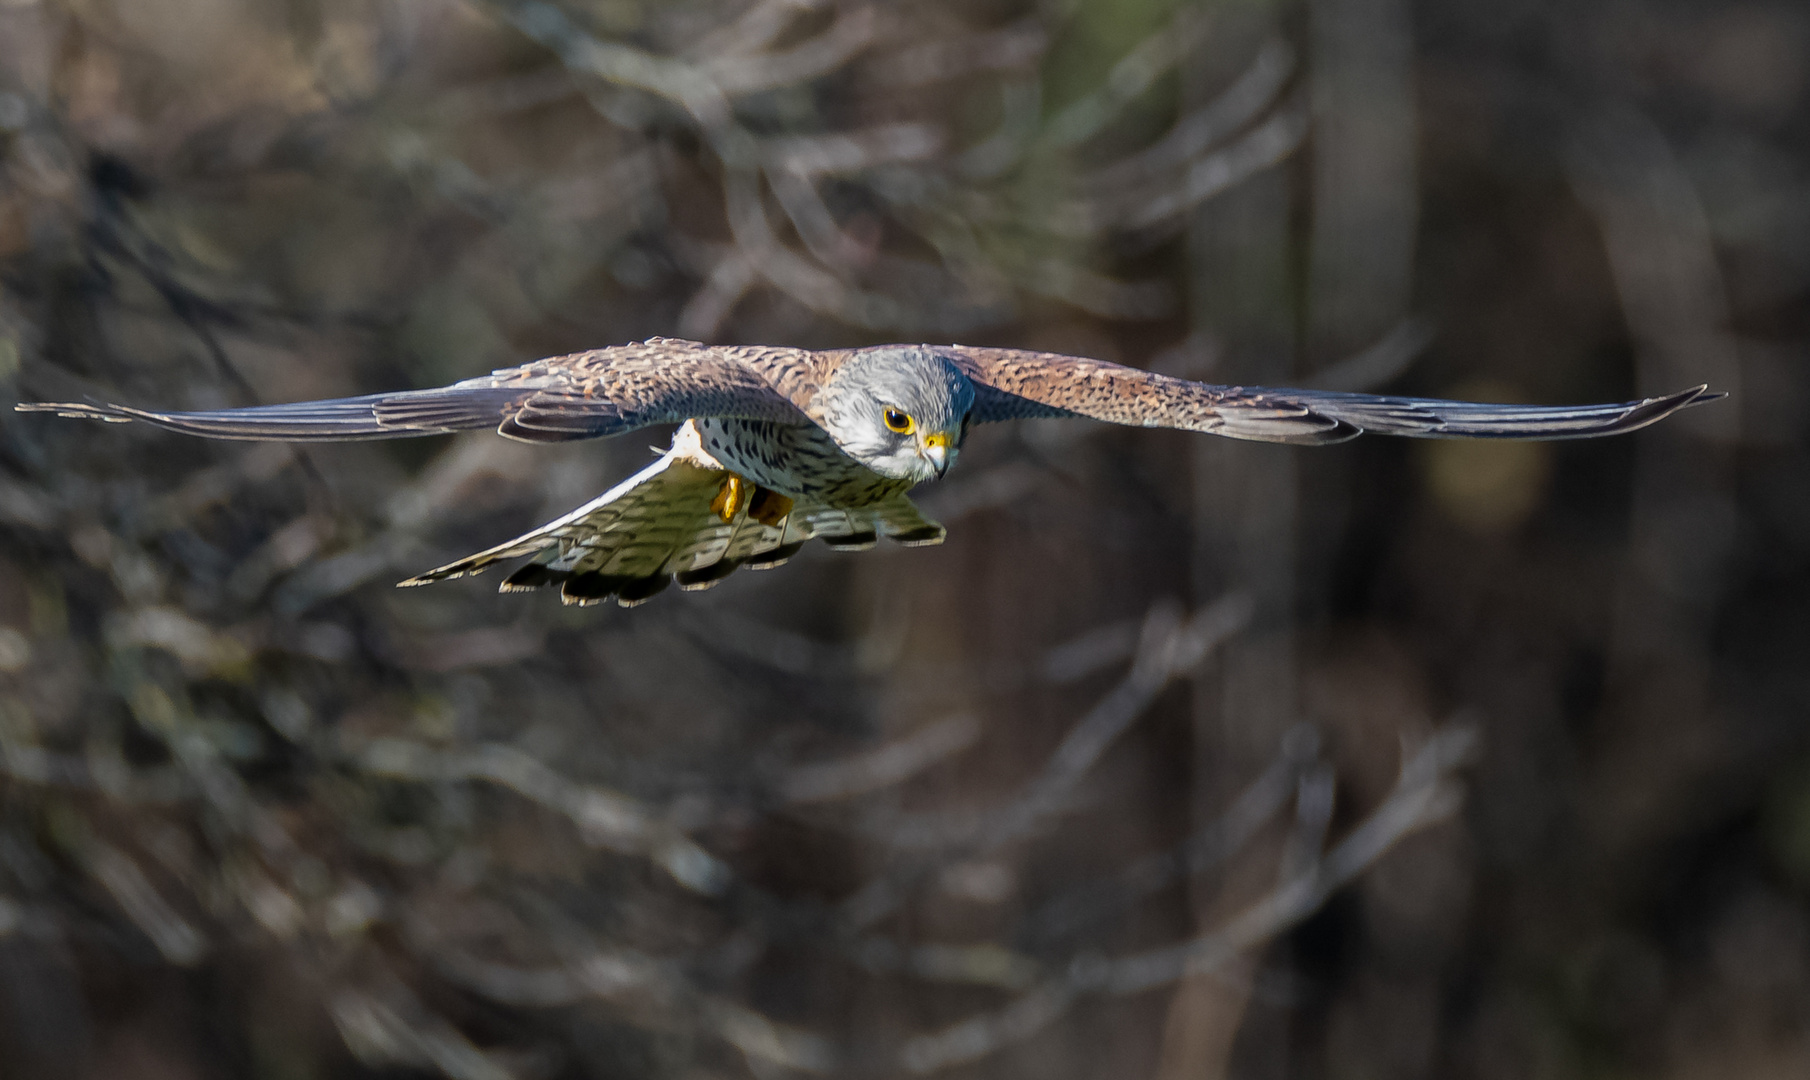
778 446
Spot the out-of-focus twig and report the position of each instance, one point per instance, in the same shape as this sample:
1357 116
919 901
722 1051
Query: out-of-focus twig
402 1032
605 818
1424 794
1658 239
1013 46
1206 848
1380 363
881 767
1157 205
175 937
1205 127
1168 647
1131 76
854 30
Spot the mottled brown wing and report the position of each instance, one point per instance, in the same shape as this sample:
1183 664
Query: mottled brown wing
583 395
1014 384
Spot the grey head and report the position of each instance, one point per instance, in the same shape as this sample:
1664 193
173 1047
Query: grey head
901 410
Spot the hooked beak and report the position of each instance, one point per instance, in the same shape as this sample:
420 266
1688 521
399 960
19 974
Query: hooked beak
938 449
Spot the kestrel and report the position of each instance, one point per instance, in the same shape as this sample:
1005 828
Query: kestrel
778 446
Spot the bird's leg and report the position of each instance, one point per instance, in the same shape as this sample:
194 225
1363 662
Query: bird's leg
737 493
731 497
769 507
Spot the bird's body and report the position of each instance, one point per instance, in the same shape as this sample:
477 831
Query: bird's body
779 446
796 460
691 518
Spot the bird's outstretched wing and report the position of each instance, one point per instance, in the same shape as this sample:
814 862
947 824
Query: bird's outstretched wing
583 395
683 519
1014 384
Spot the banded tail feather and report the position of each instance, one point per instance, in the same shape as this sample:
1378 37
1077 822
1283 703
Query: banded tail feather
677 522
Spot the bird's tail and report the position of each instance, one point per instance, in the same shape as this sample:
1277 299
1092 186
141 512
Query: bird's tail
684 520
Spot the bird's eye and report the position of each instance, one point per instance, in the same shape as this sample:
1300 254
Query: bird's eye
898 421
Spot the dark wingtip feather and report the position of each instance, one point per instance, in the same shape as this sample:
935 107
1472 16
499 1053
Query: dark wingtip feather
1653 410
922 536
111 414
639 591
779 556
373 416
590 587
1431 418
707 577
473 566
1700 394
861 541
531 576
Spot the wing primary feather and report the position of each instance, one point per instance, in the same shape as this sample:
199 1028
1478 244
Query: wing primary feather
1017 385
373 416
583 395
1430 418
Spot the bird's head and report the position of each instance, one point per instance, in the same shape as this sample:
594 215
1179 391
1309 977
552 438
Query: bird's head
901 410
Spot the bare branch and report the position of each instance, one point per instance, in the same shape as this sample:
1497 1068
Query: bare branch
728 282
1159 205
853 151
1204 128
683 84
1168 648
1131 76
882 767
175 937
1657 236
1009 47
974 965
761 1038
845 38
1424 795
604 818
1381 363
1207 848
402 1031
753 31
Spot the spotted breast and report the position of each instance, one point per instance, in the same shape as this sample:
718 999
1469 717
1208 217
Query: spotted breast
796 460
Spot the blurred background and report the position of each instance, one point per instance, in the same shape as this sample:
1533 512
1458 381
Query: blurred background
1181 758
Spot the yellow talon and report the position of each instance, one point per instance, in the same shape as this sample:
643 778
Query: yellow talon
730 498
769 507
